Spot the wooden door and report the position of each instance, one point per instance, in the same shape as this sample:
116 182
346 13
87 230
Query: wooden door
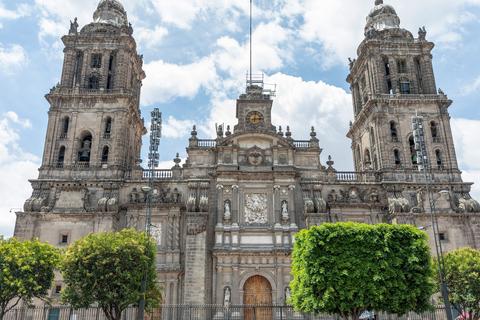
257 292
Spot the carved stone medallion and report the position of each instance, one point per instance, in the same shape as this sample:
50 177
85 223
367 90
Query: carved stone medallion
256 208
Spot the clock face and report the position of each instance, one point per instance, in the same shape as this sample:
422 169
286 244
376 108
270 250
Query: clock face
255 118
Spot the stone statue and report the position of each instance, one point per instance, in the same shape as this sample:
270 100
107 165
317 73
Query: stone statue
285 215
227 297
73 27
288 294
422 33
227 215
85 151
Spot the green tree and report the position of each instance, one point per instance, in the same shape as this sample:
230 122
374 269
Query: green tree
107 269
346 268
462 275
26 271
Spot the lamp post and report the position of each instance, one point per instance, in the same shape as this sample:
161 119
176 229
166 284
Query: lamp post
423 166
153 159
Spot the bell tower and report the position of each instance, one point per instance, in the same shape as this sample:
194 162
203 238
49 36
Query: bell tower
391 81
94 124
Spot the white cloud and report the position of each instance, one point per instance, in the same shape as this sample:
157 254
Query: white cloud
22 10
303 104
338 24
465 134
12 116
150 37
16 167
175 129
472 87
182 13
166 81
12 58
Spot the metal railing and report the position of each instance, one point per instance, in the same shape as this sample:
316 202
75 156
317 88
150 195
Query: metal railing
201 312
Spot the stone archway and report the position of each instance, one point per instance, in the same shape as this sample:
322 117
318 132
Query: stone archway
257 291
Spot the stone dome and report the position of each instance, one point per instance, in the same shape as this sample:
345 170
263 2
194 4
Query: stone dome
382 17
111 12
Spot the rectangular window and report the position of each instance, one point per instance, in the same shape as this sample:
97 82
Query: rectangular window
402 66
64 239
58 289
442 236
96 60
405 87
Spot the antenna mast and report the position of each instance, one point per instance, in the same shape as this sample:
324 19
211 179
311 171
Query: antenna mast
251 58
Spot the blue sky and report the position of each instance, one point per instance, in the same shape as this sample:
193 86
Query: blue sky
196 57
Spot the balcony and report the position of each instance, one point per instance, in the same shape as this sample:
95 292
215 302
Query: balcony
158 174
88 92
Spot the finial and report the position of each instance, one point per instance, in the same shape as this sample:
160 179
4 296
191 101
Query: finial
288 134
194 131
313 134
378 2
280 132
228 133
177 160
330 163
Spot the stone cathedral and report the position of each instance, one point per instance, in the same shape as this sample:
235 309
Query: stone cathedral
225 221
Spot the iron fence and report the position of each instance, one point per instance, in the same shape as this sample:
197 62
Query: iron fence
202 312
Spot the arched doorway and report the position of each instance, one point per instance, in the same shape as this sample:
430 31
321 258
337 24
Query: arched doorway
257 291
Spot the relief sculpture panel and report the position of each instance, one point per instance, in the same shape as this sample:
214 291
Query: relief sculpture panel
256 208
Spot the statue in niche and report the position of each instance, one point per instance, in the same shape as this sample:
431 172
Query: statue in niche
287 294
227 215
285 215
227 297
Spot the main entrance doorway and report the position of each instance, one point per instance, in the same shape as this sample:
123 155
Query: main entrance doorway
257 291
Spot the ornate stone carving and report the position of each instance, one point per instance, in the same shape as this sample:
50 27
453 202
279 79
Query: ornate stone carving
398 205
467 204
156 233
256 208
255 156
196 224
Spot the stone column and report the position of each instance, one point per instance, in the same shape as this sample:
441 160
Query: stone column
195 258
235 205
276 204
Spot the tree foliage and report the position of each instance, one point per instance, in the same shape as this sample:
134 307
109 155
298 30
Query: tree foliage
462 275
107 269
26 271
346 268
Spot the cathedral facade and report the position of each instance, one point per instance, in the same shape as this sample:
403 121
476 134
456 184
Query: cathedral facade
225 221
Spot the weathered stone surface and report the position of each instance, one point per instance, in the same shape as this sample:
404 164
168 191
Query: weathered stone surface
232 211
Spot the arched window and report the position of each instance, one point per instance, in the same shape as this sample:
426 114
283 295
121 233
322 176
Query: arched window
413 152
438 157
393 131
105 154
85 149
405 86
434 131
94 82
108 128
65 125
61 157
396 156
